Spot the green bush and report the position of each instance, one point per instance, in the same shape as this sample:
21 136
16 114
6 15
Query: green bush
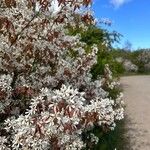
109 140
105 57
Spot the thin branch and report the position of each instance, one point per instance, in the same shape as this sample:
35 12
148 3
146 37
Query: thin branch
17 37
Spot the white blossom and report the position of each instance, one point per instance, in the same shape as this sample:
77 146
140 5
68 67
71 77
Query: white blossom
46 93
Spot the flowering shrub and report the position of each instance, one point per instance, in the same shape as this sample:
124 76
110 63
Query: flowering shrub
137 61
47 96
143 60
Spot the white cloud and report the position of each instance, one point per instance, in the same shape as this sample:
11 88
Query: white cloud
118 3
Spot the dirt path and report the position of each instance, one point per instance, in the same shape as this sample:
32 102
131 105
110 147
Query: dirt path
137 99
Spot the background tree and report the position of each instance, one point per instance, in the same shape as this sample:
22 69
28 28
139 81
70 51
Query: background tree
127 46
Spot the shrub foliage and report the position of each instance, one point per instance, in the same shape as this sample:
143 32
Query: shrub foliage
48 99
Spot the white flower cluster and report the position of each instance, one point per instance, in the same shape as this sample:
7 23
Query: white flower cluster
53 115
144 57
58 118
3 141
113 85
119 104
5 91
94 138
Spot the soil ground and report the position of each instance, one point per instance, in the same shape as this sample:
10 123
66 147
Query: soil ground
137 100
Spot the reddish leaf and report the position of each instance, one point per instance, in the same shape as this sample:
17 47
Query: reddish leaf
10 3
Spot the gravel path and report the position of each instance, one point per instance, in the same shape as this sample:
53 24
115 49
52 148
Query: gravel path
137 99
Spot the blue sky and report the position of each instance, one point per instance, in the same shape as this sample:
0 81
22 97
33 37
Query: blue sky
131 18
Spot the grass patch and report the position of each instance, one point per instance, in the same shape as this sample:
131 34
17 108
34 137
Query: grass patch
115 139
